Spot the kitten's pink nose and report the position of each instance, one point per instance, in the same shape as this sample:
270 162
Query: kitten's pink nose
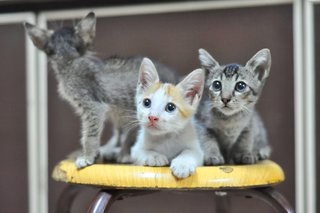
152 119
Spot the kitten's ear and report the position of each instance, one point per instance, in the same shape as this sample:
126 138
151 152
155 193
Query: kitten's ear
260 64
39 36
148 75
208 63
192 86
86 28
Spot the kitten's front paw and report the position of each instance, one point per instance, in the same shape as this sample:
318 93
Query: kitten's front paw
213 160
124 159
154 159
245 158
264 153
84 161
109 154
182 169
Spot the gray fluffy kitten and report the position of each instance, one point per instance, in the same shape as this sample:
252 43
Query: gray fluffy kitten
96 89
232 130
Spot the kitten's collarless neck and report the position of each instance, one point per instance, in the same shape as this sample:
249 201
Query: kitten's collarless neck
168 134
220 115
148 133
61 67
80 65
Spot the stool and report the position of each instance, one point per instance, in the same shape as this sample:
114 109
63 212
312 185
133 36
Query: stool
121 181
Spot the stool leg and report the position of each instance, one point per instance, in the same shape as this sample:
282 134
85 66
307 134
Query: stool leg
277 201
101 202
276 198
105 198
223 203
66 198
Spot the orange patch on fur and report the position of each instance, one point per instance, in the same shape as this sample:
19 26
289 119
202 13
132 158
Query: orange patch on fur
185 111
177 98
176 95
153 89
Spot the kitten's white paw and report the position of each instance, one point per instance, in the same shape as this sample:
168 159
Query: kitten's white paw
182 169
154 159
213 160
84 161
264 153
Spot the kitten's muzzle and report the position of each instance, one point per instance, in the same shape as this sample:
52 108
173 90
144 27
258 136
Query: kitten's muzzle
152 119
225 101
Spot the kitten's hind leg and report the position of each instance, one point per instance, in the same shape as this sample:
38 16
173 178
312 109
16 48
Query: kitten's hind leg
109 151
127 141
92 124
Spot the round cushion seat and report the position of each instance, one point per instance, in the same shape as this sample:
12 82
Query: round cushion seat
264 173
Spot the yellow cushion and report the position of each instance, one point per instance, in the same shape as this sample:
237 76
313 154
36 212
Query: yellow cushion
142 177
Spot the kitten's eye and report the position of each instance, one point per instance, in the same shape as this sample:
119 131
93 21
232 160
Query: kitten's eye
147 103
217 85
241 86
170 107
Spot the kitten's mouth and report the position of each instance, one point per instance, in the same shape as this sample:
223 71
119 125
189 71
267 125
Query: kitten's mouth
227 110
226 107
152 126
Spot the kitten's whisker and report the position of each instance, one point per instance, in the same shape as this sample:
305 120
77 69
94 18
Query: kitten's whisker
133 117
130 110
131 126
132 122
245 109
211 105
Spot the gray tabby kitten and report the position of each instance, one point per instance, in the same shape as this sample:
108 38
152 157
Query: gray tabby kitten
96 89
233 131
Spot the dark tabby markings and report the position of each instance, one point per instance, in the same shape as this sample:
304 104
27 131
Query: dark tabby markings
230 70
254 92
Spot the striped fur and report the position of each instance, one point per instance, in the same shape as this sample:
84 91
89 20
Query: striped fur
98 90
232 130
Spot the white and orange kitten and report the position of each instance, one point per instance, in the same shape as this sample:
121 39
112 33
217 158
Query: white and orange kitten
165 112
